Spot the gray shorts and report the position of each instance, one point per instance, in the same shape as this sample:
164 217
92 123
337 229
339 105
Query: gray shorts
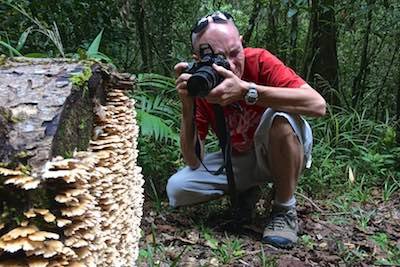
187 186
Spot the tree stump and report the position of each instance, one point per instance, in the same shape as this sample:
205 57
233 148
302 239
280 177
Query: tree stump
70 189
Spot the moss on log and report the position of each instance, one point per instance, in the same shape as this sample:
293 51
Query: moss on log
77 118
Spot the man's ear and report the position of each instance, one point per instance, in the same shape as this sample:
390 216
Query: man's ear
242 41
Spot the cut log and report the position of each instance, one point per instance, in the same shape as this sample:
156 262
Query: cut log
70 189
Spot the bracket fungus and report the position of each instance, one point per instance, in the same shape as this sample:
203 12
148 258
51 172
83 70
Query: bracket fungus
81 201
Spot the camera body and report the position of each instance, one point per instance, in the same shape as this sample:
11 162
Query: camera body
204 77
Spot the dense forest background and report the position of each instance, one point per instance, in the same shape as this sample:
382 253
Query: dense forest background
348 50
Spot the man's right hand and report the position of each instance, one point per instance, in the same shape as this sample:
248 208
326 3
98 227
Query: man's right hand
181 83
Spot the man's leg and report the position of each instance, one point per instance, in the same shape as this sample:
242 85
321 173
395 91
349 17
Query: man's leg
188 187
283 138
285 157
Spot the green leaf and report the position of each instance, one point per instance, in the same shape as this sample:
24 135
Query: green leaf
292 12
12 49
100 56
94 46
156 127
22 38
36 55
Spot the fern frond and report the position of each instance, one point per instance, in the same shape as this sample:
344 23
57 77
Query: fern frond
154 126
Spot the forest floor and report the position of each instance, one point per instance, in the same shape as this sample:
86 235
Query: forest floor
357 235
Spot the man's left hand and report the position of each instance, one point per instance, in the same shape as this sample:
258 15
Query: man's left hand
230 90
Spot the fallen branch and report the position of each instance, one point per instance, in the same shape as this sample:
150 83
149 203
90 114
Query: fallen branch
310 200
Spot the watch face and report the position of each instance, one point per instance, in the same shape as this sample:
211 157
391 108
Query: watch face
251 96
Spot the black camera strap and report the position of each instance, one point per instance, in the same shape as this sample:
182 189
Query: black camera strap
224 138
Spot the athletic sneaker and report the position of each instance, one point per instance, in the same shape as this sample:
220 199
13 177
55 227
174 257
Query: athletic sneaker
282 227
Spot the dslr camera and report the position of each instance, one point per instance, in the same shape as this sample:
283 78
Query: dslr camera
204 77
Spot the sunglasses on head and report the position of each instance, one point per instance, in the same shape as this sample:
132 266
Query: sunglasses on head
217 17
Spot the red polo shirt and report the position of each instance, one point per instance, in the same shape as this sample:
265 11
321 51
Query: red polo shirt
263 68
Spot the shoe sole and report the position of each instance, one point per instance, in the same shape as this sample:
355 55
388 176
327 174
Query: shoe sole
278 245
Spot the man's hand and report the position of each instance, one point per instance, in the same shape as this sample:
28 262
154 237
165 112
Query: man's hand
181 82
229 91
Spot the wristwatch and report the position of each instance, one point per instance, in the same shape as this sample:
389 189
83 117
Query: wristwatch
251 96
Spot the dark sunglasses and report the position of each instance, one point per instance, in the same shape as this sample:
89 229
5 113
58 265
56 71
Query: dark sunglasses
217 17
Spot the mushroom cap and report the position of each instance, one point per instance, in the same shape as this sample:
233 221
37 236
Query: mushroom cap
20 243
42 236
61 222
37 262
23 231
8 172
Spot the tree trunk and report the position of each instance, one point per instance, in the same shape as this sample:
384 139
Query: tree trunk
252 21
294 21
271 42
398 105
359 80
381 96
140 26
321 53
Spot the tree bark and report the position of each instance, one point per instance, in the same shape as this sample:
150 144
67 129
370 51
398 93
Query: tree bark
160 35
294 23
271 36
140 25
398 106
321 52
359 80
252 21
381 97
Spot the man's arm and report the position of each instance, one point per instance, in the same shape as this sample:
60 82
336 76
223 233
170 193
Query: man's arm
188 134
303 100
188 138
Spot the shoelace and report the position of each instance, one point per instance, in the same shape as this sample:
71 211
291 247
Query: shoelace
278 221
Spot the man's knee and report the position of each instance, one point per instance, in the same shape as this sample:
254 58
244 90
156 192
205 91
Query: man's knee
282 135
174 188
282 131
281 128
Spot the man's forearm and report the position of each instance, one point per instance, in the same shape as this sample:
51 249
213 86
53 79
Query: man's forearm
188 137
303 100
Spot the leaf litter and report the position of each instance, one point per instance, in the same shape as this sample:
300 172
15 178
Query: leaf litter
200 236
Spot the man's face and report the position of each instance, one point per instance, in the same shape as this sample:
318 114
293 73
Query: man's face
225 39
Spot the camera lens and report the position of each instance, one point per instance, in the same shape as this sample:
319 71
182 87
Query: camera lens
202 81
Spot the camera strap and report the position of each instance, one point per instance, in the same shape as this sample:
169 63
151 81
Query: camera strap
224 138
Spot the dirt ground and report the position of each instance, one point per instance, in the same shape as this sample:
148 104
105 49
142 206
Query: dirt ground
365 235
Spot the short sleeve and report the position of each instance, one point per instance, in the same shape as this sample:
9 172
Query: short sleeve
274 73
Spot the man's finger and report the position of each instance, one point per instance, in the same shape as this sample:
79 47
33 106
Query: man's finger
222 71
180 67
183 77
182 85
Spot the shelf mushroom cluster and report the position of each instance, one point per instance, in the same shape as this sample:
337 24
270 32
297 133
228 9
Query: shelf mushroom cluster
98 199
19 179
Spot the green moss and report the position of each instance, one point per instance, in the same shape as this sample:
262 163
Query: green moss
76 121
22 154
81 80
3 59
82 125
